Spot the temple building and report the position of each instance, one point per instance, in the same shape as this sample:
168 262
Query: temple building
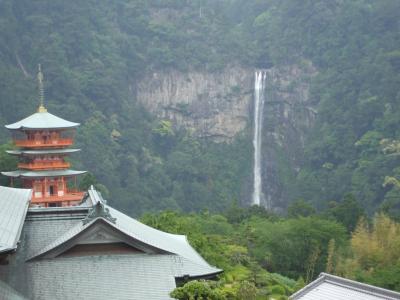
43 140
88 251
58 243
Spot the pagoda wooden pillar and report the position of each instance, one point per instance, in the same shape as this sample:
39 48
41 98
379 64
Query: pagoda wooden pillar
56 186
45 189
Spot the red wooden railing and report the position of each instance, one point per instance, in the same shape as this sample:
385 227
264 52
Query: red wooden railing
43 165
44 143
70 196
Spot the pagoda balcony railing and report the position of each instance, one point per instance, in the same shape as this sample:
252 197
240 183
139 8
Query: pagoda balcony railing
44 143
43 165
69 196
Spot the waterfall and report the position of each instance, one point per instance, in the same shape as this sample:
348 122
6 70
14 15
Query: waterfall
259 86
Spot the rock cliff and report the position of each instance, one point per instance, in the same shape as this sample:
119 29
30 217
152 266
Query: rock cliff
214 105
289 114
220 105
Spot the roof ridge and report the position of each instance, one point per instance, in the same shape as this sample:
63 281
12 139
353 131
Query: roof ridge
306 288
99 211
346 283
349 283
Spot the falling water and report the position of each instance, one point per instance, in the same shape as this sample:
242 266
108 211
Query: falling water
259 86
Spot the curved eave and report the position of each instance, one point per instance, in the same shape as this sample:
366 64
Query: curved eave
41 152
41 128
41 174
210 275
42 120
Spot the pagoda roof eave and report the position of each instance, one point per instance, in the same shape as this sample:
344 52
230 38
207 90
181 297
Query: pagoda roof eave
42 120
41 174
39 152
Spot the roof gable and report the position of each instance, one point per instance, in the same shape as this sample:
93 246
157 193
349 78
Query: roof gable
98 231
116 248
129 230
172 243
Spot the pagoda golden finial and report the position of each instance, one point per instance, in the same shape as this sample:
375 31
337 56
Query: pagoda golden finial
41 91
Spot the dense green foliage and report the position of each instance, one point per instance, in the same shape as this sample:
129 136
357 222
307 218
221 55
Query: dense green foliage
354 44
374 253
254 247
94 53
238 245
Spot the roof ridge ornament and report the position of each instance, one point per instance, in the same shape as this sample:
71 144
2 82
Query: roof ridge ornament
41 108
99 211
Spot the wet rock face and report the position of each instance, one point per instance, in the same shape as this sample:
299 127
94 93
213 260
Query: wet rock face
289 114
214 105
220 105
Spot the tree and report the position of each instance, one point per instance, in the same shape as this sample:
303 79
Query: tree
311 263
247 291
7 162
330 263
347 212
198 290
87 180
300 208
293 247
375 253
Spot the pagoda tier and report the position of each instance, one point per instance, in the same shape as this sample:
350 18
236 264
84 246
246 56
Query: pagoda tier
42 159
50 188
42 139
52 192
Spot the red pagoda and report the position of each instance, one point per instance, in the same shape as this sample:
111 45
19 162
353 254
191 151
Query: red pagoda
43 141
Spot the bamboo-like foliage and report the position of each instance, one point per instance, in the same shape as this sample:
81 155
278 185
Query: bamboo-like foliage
375 253
330 260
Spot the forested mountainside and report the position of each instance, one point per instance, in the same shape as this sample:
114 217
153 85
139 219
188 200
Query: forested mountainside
95 56
163 90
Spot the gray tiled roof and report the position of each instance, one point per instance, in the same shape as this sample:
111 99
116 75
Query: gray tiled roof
8 293
117 277
42 120
137 276
26 173
171 243
13 207
132 275
330 287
